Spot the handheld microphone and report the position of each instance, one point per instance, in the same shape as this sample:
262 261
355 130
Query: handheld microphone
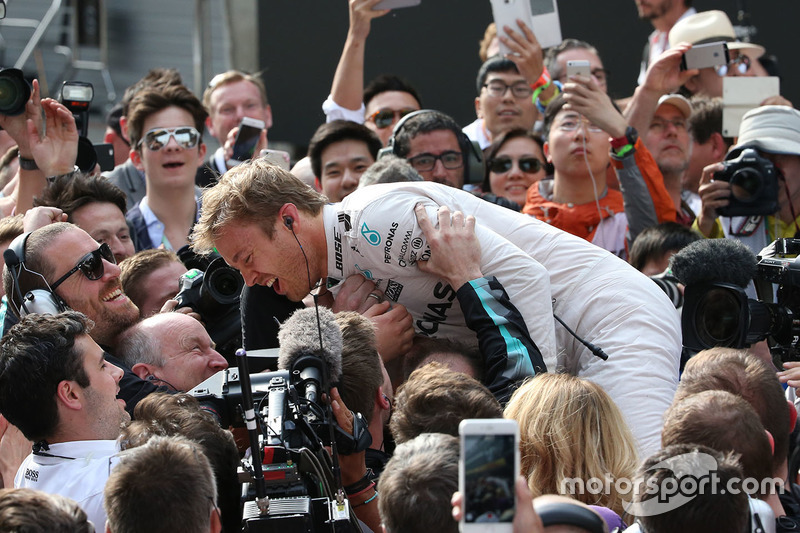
714 261
309 348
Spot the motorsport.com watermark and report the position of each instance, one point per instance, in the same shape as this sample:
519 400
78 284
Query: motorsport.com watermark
693 474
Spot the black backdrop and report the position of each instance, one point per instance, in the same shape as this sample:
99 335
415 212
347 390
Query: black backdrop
435 46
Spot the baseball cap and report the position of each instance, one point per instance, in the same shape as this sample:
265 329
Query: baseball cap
678 101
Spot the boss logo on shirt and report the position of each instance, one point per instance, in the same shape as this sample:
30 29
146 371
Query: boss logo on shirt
32 475
393 290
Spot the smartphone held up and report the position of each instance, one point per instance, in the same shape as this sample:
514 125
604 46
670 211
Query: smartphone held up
488 469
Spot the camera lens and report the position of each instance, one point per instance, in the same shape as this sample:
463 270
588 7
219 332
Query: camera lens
716 319
746 184
224 284
14 92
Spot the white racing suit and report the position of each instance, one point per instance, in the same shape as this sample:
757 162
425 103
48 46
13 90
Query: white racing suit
544 270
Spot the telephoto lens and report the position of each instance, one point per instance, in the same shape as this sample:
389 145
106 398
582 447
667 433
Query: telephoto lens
14 92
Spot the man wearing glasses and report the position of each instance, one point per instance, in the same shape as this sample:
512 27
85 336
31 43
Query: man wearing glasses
165 128
58 389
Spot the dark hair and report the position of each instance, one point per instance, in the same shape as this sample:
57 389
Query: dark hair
424 347
389 169
748 376
553 108
134 269
389 82
655 241
153 100
417 484
73 191
436 399
491 151
494 64
35 356
424 122
112 119
725 422
166 485
706 119
707 510
155 78
181 415
551 56
337 131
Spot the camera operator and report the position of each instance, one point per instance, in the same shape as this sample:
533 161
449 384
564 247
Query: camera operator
150 279
772 131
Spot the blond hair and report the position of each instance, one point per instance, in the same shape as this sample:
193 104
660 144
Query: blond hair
252 192
570 428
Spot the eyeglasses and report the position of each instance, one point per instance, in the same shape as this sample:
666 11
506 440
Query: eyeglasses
741 64
90 264
497 89
384 117
573 123
157 138
528 165
659 124
425 162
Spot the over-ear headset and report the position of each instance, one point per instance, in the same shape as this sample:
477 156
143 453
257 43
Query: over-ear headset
41 301
473 163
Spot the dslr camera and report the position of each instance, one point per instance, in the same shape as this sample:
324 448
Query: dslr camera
754 185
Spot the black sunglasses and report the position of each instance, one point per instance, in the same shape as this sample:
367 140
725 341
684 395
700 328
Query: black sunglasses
529 165
90 264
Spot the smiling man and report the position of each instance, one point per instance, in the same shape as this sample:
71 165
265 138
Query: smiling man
165 127
172 349
57 388
340 152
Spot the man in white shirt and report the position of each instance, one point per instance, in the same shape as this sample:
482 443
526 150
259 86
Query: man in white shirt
662 14
56 386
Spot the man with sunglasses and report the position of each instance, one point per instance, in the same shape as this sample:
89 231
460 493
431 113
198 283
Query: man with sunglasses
165 128
58 389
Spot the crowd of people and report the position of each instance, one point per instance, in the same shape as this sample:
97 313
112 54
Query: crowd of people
510 268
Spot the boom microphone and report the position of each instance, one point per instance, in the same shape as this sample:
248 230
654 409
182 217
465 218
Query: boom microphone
714 261
307 347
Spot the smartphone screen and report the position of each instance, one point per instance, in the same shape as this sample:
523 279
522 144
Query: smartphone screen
489 478
246 141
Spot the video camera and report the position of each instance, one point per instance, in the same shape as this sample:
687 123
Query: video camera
293 482
721 314
754 185
213 291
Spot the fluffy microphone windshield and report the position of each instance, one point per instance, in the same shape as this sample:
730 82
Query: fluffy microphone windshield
714 260
300 336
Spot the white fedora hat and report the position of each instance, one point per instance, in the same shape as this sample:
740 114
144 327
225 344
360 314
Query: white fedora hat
708 27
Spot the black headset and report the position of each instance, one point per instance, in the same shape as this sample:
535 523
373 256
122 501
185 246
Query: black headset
41 301
473 166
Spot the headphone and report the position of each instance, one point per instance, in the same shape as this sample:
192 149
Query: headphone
40 301
473 166
288 221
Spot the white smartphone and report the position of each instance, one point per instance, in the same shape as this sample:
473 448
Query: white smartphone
278 158
740 94
247 138
506 13
706 55
579 68
488 469
394 4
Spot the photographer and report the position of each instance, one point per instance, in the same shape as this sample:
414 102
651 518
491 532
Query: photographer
772 131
